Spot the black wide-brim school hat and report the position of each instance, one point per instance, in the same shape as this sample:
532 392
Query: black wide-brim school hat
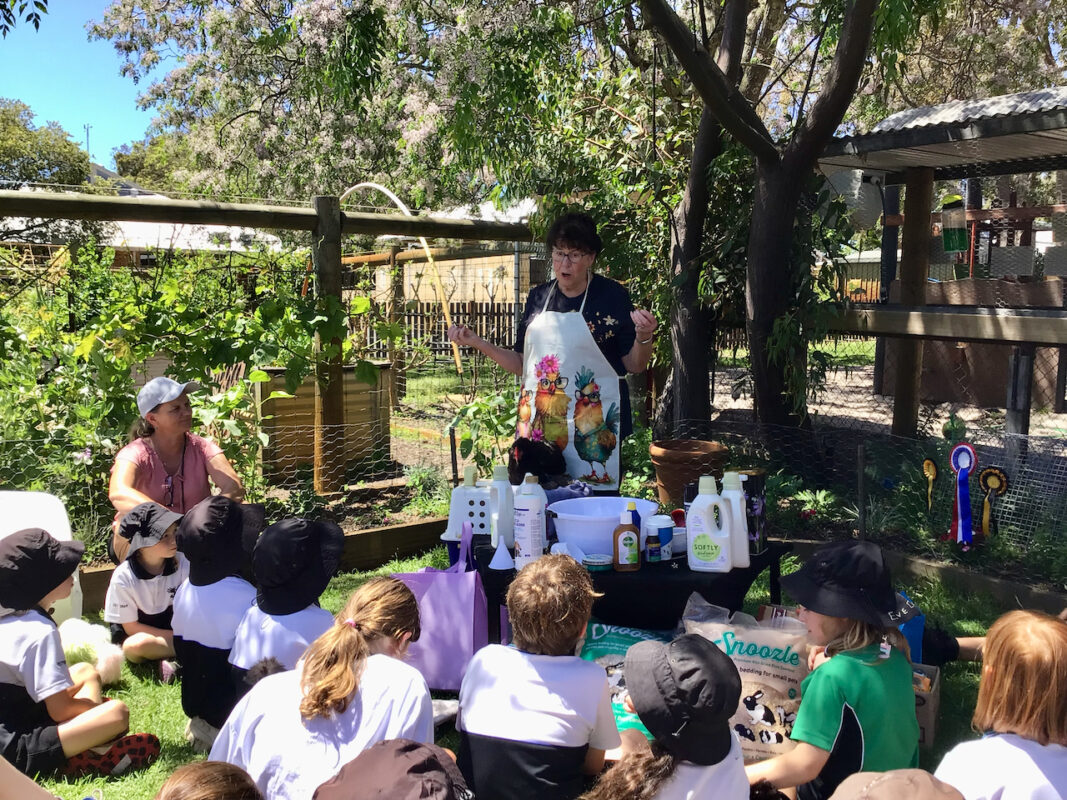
145 525
212 536
293 562
685 692
850 580
32 564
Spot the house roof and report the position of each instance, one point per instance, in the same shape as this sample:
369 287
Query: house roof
1022 132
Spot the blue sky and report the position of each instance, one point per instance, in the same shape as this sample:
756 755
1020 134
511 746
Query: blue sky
66 78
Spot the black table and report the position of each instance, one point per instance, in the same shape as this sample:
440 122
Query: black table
654 597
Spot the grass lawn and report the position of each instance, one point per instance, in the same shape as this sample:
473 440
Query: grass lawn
156 708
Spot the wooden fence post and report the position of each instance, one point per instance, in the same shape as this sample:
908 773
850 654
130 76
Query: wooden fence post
914 271
887 273
329 374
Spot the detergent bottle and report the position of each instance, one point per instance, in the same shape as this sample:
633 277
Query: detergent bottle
707 536
530 532
733 496
502 506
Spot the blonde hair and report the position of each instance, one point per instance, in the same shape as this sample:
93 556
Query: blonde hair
549 604
1023 689
856 634
380 608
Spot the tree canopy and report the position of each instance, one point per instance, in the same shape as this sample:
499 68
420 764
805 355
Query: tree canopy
27 11
33 154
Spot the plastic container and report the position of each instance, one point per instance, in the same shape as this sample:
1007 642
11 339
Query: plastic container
733 496
502 505
469 502
708 537
529 522
588 522
597 562
663 526
626 545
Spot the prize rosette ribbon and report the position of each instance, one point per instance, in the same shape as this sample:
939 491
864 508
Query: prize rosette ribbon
963 460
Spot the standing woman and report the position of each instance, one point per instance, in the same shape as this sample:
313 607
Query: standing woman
164 462
579 336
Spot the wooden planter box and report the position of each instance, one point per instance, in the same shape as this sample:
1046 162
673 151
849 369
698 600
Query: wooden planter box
290 423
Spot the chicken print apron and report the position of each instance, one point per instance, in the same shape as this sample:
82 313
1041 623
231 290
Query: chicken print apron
570 394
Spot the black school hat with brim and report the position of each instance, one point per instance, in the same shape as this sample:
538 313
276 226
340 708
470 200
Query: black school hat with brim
400 769
32 564
850 580
293 562
685 692
145 525
212 536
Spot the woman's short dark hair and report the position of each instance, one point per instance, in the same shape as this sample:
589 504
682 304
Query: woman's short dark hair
576 229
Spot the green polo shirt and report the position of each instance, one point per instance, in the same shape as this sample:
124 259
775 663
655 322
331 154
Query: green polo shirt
861 709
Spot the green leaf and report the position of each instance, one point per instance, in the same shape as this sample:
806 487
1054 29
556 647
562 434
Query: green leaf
258 376
278 394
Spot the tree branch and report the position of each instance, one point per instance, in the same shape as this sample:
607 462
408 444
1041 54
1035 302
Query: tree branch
722 98
838 88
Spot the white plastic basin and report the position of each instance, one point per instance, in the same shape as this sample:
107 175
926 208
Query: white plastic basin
588 522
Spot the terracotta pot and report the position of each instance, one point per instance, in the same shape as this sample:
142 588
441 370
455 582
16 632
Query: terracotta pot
681 461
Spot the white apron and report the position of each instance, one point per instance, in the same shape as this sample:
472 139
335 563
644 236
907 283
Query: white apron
570 394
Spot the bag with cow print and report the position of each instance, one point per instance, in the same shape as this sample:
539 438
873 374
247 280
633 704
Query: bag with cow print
772 660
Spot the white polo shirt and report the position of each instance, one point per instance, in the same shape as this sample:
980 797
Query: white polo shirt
209 615
130 592
284 637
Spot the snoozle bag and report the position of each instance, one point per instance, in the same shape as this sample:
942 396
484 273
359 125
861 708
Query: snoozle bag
453 618
772 660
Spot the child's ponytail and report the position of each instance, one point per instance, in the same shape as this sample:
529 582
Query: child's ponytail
380 608
637 776
860 634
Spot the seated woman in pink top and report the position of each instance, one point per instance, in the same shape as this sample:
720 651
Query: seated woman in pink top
164 463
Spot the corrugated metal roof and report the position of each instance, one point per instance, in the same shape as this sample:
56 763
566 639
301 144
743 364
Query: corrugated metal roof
962 111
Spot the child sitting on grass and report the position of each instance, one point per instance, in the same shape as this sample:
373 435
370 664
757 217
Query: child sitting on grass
535 718
208 607
293 562
857 706
140 597
684 692
53 719
209 780
295 730
1021 714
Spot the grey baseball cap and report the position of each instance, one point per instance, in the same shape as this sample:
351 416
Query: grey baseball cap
161 390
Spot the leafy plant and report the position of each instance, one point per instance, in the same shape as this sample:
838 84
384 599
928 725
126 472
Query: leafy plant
430 492
487 429
639 476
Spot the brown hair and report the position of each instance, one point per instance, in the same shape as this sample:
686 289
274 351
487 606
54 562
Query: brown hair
858 634
1023 689
209 780
549 604
380 608
141 428
638 776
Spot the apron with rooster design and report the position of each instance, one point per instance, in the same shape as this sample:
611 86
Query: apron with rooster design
570 395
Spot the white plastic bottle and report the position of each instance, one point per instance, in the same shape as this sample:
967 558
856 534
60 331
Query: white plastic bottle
733 496
529 522
708 538
502 505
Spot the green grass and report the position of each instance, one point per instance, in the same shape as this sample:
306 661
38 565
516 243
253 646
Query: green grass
156 708
846 353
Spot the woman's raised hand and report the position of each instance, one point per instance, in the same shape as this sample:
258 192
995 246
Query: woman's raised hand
462 335
644 323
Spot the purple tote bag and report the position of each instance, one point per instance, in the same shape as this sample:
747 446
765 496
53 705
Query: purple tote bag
453 617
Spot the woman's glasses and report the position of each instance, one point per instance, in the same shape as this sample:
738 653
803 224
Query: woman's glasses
568 256
168 491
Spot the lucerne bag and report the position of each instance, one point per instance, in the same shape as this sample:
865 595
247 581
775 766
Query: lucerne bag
453 617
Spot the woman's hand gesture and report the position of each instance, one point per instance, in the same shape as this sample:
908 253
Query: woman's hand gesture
462 335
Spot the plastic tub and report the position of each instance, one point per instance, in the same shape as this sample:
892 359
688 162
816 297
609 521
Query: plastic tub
589 521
